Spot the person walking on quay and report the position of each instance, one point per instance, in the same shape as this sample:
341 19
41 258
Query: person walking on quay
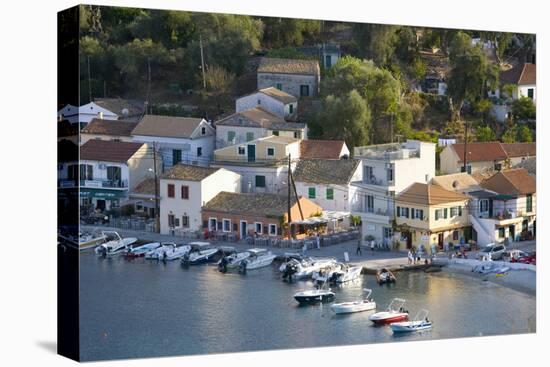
409 257
318 240
358 251
372 246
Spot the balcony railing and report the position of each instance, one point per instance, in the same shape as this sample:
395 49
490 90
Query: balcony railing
369 210
115 184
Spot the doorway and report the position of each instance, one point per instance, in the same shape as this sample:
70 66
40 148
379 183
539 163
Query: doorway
100 204
251 153
512 232
440 238
244 231
212 224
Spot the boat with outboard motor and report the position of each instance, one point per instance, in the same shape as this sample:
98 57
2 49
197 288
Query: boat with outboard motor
420 323
384 276
114 244
303 268
201 253
393 313
317 295
139 251
366 304
345 274
259 258
158 252
90 240
232 261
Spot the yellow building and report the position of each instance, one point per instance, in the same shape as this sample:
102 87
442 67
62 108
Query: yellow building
428 215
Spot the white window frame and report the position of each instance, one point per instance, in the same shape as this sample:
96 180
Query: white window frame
210 222
223 225
271 225
481 201
256 227
267 152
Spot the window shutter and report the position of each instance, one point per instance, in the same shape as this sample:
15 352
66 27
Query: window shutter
445 213
460 211
412 213
437 214
398 211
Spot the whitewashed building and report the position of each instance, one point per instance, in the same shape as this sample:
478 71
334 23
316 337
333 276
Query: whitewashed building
84 114
270 99
178 139
254 123
106 172
388 169
184 189
327 182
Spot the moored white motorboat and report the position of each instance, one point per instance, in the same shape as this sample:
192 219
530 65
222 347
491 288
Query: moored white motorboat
89 240
139 251
393 313
384 276
313 296
176 252
365 304
421 322
258 258
158 253
304 268
232 261
201 252
345 274
115 244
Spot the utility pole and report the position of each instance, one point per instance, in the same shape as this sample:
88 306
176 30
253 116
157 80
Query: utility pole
296 195
147 105
465 145
288 198
157 214
202 64
89 80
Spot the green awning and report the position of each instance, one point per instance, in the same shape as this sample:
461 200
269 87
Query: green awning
103 193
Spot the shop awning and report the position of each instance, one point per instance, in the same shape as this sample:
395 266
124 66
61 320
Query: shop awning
325 217
102 193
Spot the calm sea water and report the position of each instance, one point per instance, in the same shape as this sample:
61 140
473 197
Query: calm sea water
140 308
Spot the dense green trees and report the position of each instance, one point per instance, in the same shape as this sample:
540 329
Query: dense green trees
283 32
485 133
524 109
517 134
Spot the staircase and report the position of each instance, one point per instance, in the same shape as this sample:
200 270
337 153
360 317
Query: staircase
484 236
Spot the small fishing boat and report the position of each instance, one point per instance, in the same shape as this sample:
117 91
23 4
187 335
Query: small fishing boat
365 304
232 261
313 296
259 258
201 253
393 313
421 322
140 251
384 276
114 244
345 274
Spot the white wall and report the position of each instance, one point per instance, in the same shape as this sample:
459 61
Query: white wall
200 192
187 146
240 134
266 102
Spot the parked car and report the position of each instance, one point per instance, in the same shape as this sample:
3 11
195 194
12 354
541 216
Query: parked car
513 255
528 259
491 251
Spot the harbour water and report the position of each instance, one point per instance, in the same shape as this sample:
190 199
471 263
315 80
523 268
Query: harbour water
140 308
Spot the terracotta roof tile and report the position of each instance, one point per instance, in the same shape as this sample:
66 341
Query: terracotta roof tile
478 152
511 182
145 187
327 149
258 204
326 171
427 194
520 149
108 150
278 95
188 172
522 74
109 127
461 182
167 126
288 66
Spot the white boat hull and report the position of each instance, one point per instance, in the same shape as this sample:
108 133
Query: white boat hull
351 307
410 326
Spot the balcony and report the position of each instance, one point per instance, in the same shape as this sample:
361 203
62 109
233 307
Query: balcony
386 152
370 214
97 184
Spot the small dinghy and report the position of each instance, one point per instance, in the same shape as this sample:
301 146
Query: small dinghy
393 313
365 304
421 322
313 296
384 276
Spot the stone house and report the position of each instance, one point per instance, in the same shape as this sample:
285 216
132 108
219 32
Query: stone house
300 78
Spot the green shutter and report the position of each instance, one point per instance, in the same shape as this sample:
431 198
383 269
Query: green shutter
249 136
230 135
260 181
398 211
445 213
330 193
311 193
